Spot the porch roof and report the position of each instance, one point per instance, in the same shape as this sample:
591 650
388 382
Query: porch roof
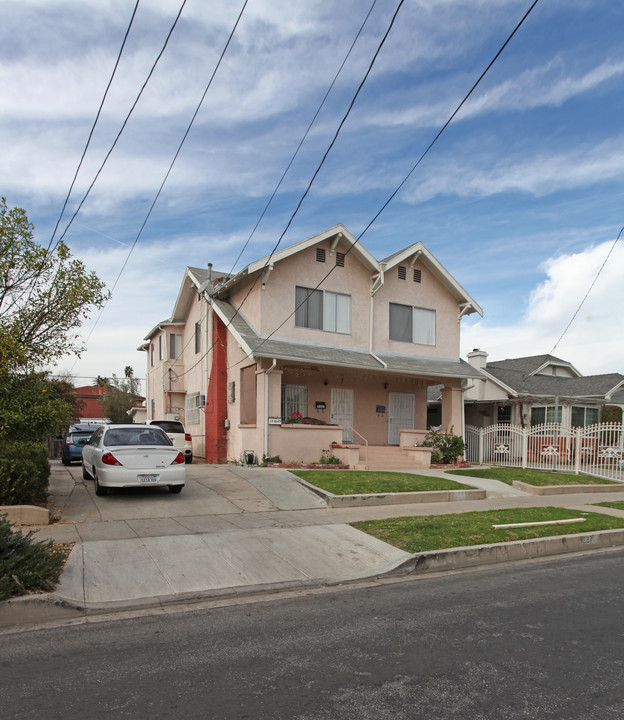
354 358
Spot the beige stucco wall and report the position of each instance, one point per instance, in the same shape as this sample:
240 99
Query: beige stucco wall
429 294
267 309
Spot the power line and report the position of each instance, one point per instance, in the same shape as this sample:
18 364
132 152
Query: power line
309 186
97 117
170 168
305 135
125 122
292 159
416 164
578 309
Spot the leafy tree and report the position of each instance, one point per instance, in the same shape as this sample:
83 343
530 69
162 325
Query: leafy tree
121 394
44 296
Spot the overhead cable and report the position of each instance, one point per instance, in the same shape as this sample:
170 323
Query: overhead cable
170 168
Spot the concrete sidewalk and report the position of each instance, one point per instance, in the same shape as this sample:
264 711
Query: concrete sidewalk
235 531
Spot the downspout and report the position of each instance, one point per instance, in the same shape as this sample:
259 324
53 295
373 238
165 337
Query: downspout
266 407
370 333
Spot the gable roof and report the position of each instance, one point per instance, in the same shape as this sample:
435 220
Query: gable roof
340 234
419 253
599 387
532 365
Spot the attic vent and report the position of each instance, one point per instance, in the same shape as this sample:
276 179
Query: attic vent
402 272
340 258
417 275
320 254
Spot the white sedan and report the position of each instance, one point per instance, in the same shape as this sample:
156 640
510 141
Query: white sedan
132 456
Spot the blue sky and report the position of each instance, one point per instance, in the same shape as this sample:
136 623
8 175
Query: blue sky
520 198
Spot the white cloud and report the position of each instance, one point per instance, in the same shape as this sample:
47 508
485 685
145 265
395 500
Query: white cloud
594 342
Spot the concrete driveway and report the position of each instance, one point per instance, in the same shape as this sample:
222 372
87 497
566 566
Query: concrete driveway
232 530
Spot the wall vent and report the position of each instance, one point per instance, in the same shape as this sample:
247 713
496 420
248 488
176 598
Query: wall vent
340 259
402 272
320 254
417 275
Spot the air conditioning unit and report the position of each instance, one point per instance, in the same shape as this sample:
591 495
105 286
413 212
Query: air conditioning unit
200 401
171 416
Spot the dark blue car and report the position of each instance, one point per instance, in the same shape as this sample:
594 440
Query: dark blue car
74 440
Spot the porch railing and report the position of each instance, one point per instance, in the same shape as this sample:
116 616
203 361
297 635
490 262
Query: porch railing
344 422
596 450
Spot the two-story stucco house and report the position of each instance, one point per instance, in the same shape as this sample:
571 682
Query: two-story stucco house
320 343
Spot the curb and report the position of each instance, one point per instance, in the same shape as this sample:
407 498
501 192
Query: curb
26 514
399 498
566 489
479 555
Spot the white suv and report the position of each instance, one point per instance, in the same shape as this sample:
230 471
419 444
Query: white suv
180 439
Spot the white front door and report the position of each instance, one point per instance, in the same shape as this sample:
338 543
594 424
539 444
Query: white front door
400 415
342 410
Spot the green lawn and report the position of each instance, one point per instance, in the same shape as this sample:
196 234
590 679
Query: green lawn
437 532
531 477
359 482
617 504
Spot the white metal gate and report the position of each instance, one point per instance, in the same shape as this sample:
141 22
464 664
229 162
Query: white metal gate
342 409
595 450
400 415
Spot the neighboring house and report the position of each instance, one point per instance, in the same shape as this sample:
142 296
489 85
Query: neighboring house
319 343
534 390
88 398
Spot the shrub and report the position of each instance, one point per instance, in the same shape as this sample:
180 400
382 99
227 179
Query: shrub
446 446
272 459
26 565
24 472
330 460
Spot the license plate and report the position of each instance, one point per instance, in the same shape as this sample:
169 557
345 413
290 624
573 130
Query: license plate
148 478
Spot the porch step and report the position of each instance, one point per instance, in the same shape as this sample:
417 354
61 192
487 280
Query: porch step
385 457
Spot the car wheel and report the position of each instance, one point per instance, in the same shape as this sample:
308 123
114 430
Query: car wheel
85 474
99 490
188 459
65 461
175 489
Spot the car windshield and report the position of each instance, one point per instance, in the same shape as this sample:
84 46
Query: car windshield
138 436
170 426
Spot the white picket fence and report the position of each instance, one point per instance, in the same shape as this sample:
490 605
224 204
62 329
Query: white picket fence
595 450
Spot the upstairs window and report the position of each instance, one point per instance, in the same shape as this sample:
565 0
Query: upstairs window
412 324
160 347
175 346
322 310
197 337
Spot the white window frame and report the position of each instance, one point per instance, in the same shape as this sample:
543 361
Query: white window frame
175 346
584 408
191 415
335 310
421 329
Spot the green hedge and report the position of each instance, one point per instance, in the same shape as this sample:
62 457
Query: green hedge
24 472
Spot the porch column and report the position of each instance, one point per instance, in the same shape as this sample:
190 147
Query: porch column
452 416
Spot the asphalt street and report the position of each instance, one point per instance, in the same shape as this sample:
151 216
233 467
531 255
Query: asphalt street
539 639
